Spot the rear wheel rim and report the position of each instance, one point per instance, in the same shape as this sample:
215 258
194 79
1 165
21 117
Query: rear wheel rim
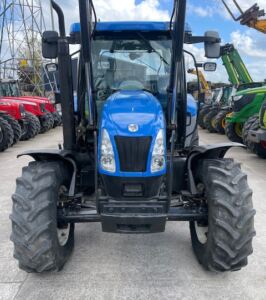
202 233
213 122
63 230
223 123
238 129
63 235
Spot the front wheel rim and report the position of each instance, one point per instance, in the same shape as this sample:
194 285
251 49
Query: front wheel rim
238 129
201 232
63 230
63 235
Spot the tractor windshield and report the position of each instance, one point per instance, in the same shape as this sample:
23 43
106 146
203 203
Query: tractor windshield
135 63
4 89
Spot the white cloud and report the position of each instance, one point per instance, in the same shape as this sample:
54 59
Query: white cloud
247 44
201 11
117 10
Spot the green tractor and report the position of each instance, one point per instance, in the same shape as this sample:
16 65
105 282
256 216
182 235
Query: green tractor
220 108
245 104
254 133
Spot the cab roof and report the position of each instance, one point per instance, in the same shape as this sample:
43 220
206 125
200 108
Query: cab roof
127 26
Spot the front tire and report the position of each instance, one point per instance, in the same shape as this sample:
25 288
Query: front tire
209 121
15 127
230 226
6 135
234 132
219 122
39 243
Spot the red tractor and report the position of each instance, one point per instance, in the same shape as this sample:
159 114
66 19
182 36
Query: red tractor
28 119
36 111
49 106
9 88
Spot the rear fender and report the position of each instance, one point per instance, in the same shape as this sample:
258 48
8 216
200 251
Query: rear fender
56 155
214 151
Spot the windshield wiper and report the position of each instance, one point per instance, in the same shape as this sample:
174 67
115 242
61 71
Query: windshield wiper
147 42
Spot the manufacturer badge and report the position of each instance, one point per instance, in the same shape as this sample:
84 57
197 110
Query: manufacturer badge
133 127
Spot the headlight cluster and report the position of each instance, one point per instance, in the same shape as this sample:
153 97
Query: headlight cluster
237 98
107 153
158 153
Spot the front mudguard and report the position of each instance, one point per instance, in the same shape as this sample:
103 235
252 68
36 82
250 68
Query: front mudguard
56 155
197 153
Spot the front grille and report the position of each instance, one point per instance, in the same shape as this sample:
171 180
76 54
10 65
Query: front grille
133 153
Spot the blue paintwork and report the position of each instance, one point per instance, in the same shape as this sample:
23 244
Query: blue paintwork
127 107
128 26
192 105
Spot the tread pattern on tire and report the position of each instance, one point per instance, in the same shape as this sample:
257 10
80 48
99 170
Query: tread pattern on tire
231 134
31 129
15 127
208 120
34 220
231 217
8 135
253 123
218 121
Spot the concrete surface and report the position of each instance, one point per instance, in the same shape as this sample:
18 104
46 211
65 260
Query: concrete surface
114 267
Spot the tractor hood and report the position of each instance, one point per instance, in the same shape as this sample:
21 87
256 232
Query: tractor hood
132 113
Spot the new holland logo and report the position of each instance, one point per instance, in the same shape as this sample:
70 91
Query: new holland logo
133 127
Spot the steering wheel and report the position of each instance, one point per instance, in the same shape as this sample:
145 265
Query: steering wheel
131 84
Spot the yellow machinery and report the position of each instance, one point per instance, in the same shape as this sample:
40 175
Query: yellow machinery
205 88
250 17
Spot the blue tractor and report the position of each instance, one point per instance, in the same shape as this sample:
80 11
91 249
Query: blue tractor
130 158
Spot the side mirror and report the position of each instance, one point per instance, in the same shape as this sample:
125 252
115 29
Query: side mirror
51 68
210 66
50 44
212 48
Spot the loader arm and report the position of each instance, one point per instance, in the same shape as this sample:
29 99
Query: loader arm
234 65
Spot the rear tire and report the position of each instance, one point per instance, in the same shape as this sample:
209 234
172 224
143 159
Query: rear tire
46 124
40 243
15 127
6 135
57 119
253 123
219 121
232 131
209 120
51 120
247 126
202 113
31 129
230 225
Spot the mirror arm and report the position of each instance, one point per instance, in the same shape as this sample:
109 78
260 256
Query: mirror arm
189 39
61 18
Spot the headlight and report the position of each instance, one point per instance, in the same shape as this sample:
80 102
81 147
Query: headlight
107 153
237 98
158 153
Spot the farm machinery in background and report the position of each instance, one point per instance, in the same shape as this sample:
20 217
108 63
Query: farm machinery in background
254 124
254 133
27 115
240 101
252 17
